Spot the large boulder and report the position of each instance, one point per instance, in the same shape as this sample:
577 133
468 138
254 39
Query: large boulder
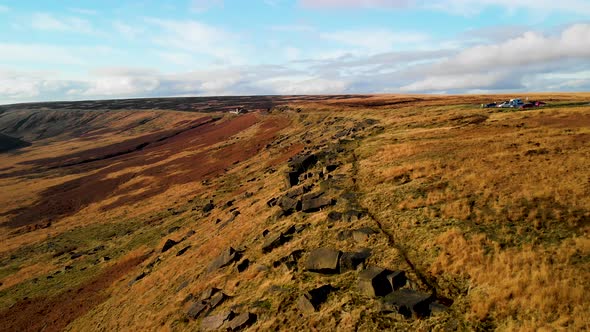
323 260
373 281
408 302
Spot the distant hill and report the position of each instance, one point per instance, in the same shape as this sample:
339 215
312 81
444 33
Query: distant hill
8 143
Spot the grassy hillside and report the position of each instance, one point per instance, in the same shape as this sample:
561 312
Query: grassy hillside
123 219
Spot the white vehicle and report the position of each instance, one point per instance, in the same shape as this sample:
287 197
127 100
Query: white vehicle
505 104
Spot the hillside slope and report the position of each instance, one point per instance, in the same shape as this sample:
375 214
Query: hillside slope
314 213
8 143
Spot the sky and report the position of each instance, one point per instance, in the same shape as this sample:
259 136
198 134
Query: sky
80 50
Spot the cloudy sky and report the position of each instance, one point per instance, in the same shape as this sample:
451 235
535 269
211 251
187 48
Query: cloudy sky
71 50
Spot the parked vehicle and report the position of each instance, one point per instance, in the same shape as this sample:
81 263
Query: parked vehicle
517 102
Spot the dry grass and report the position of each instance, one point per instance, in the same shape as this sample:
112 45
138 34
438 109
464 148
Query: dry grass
494 206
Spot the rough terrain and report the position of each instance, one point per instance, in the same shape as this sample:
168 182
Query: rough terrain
414 213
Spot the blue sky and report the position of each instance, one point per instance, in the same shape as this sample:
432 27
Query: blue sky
72 50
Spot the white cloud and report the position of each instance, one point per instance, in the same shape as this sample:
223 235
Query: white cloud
471 7
461 7
38 53
48 22
126 30
199 39
290 85
508 64
374 40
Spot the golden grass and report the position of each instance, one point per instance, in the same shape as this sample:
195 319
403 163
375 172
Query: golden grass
502 229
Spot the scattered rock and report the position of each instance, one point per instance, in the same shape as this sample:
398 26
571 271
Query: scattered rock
208 207
173 229
310 301
169 244
289 205
136 279
207 293
323 260
352 215
217 299
296 191
349 261
273 241
330 168
373 281
227 257
188 234
242 321
437 308
362 234
312 205
243 265
196 309
182 286
182 251
212 323
397 279
290 260
334 216
272 202
407 302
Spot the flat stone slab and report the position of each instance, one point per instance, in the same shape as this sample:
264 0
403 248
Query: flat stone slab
273 241
242 321
212 323
323 260
228 256
196 309
373 281
408 302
